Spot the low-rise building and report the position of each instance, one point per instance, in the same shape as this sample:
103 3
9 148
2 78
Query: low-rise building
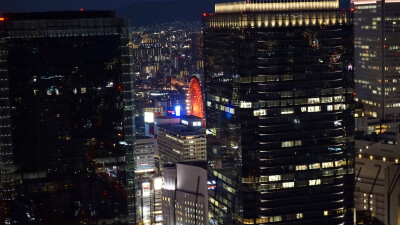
376 163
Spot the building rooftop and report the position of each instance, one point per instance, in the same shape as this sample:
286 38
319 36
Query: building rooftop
275 5
183 130
60 15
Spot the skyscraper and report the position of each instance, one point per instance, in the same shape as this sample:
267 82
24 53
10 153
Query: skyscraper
66 118
377 60
279 112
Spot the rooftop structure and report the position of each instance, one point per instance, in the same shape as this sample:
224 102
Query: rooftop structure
268 6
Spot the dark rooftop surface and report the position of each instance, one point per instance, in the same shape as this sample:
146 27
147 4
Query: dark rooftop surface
59 15
183 129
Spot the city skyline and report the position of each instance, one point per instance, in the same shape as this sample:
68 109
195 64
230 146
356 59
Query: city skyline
190 112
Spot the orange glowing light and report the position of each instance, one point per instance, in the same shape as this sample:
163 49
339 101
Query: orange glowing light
195 98
204 14
2 18
352 9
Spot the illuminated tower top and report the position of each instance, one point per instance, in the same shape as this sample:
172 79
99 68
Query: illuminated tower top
281 5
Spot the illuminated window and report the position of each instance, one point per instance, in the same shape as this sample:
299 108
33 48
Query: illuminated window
301 167
277 218
287 111
329 107
248 221
314 182
260 112
327 164
288 184
245 105
303 109
326 213
262 220
313 101
338 98
314 166
340 163
197 124
297 143
274 178
286 144
339 107
314 108
326 99
83 90
299 215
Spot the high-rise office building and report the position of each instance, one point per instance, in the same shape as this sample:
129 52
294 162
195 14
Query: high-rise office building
184 194
182 142
279 112
66 118
376 58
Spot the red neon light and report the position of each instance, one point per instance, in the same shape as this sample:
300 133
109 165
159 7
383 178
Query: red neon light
195 98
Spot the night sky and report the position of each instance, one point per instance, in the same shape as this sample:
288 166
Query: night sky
142 12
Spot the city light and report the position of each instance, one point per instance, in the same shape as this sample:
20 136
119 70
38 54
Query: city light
149 117
178 110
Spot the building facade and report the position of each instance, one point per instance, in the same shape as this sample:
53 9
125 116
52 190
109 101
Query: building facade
279 112
378 158
377 49
185 195
182 142
67 118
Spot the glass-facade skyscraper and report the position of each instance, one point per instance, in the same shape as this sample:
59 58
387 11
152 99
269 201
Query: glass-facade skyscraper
67 129
279 112
377 60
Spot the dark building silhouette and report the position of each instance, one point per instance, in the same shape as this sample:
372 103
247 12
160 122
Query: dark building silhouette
279 112
66 118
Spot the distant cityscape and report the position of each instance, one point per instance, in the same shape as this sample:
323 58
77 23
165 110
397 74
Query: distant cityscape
258 112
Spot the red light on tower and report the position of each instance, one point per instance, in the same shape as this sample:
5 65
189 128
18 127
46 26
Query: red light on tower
204 14
352 9
195 98
81 10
